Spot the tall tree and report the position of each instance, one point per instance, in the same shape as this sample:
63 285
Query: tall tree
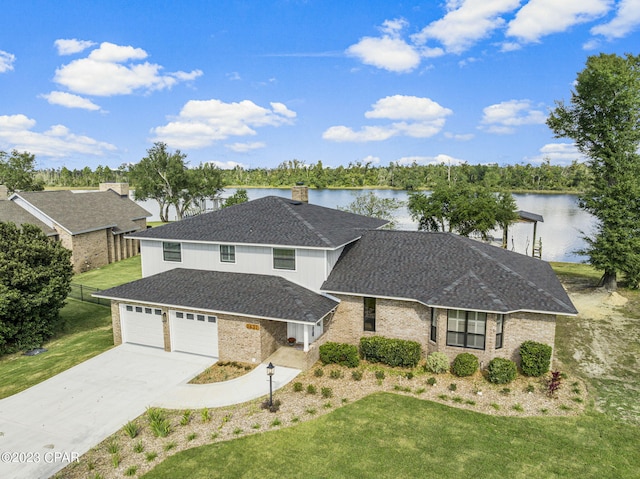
18 172
368 204
462 208
35 277
603 118
165 177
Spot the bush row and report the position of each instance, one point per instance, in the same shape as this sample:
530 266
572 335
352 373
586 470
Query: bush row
392 352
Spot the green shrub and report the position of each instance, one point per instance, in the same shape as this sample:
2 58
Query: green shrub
356 375
298 387
437 363
465 364
501 371
453 387
326 392
535 358
311 389
379 374
336 374
431 381
339 353
131 429
393 352
319 372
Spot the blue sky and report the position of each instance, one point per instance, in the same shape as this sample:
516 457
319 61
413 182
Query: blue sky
256 83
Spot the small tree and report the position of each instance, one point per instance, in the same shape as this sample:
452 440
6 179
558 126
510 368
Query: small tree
369 204
240 196
35 277
17 172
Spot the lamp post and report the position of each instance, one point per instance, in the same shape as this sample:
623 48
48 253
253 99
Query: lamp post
270 370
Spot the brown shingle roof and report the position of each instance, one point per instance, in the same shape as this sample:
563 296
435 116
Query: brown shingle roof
82 212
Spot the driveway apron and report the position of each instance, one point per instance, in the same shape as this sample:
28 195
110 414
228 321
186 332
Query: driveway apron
48 425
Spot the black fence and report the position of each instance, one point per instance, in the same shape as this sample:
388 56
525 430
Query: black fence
83 293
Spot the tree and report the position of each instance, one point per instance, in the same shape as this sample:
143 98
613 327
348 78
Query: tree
462 208
17 172
369 204
166 178
603 118
35 277
240 196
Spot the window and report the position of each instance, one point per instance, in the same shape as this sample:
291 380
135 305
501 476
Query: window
434 325
369 314
179 315
211 319
138 309
190 316
147 310
200 317
227 253
171 252
466 329
157 312
499 330
129 308
284 259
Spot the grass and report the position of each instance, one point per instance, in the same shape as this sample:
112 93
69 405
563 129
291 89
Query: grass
577 271
589 445
86 332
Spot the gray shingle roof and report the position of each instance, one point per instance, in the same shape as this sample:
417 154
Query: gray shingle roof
238 293
11 212
81 212
270 220
447 270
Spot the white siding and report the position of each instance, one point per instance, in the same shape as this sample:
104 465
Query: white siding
332 259
311 264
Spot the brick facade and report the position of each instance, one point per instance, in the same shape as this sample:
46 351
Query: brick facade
412 321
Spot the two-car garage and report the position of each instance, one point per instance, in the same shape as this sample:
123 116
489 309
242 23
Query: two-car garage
189 332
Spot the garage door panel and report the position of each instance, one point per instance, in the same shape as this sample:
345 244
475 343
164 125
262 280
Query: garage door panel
194 333
141 325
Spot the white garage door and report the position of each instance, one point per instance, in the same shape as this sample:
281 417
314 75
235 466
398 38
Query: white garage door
194 333
142 325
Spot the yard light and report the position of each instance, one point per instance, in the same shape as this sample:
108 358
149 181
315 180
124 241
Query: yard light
270 371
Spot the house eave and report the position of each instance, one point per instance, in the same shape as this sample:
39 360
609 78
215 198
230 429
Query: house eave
264 245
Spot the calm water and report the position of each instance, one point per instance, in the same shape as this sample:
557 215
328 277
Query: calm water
560 231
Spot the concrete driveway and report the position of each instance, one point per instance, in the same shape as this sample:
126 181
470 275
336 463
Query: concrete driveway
45 427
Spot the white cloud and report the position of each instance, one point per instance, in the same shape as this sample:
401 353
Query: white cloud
430 160
558 153
422 118
542 17
374 160
203 122
501 118
226 165
71 46
392 54
112 70
6 61
70 101
16 132
626 20
466 23
244 147
459 136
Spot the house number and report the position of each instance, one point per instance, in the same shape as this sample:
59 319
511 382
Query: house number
253 326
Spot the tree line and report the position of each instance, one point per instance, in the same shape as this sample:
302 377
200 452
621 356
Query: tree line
518 177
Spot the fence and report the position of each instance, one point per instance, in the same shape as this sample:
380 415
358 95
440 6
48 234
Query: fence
83 293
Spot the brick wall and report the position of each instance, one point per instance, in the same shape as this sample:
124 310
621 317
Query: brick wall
237 342
115 321
89 250
411 320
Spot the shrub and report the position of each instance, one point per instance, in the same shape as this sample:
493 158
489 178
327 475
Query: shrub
311 389
553 384
437 363
535 358
339 353
431 381
379 375
298 387
393 352
131 429
326 392
335 374
319 372
453 387
465 364
502 371
356 375
273 407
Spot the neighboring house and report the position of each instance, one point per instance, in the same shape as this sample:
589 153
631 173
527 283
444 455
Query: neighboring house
236 283
92 225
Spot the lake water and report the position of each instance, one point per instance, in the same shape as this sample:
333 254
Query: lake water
560 232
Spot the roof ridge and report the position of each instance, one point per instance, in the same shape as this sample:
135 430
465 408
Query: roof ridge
309 226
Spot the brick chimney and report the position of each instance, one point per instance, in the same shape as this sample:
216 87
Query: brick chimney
120 188
300 193
4 192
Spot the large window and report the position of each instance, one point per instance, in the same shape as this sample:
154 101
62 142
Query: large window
499 330
369 314
284 258
171 252
466 329
227 253
434 325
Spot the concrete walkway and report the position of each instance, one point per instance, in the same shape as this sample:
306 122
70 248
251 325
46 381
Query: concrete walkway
47 426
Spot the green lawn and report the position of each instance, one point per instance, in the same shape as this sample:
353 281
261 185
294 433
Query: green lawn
86 332
392 436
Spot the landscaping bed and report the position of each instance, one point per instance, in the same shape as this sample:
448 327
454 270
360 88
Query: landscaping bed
222 371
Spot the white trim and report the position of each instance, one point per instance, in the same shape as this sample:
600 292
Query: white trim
268 245
215 311
329 293
295 259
